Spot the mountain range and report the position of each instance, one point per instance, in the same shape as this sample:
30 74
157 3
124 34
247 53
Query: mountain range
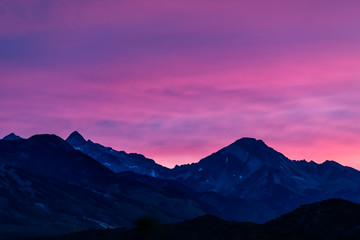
240 178
51 186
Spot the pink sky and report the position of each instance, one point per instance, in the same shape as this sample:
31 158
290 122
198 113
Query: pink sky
178 80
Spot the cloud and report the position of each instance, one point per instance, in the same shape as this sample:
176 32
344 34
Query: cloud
178 80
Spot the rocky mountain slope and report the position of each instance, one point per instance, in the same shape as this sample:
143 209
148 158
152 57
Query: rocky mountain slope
67 180
117 161
48 187
249 170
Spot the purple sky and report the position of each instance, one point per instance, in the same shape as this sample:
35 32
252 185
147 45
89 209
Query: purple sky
178 80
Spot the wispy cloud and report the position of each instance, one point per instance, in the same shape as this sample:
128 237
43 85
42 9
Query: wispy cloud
177 80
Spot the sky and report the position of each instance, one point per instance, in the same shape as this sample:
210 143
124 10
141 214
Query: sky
178 80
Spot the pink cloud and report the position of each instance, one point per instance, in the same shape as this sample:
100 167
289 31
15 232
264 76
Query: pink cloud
179 80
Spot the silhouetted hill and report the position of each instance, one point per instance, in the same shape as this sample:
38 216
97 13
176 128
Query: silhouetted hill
333 219
328 219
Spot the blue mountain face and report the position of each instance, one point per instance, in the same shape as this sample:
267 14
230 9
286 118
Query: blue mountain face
248 167
250 170
117 161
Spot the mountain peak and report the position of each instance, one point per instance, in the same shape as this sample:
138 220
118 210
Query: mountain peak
12 136
51 141
258 149
249 140
75 139
250 144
